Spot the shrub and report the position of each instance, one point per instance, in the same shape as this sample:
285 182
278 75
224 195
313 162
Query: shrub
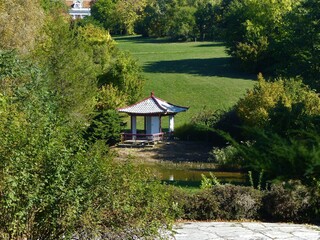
227 202
201 206
195 132
289 201
258 106
227 156
237 202
106 125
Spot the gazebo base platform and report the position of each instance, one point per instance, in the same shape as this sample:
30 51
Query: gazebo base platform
137 143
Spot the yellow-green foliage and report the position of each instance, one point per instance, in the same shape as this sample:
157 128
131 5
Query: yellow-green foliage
95 35
20 23
255 107
101 43
110 97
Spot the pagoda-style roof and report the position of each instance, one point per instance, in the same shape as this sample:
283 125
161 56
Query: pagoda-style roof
153 106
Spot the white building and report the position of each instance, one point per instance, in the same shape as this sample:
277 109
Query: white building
79 9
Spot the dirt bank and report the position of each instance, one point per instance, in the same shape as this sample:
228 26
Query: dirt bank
175 151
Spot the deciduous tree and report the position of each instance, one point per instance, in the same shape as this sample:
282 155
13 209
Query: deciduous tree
20 24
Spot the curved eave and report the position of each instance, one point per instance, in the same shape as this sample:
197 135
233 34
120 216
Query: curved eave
151 113
152 106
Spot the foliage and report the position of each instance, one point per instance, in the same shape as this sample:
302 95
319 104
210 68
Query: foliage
237 202
182 24
71 70
225 156
14 32
284 157
154 19
110 97
289 201
197 206
208 182
124 74
168 18
250 36
101 44
227 202
256 108
54 184
298 50
12 70
107 126
103 11
281 124
205 18
51 6
119 17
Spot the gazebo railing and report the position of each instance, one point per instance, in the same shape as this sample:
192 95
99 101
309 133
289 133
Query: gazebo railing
148 137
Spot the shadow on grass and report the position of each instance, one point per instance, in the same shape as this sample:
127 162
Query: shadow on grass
213 44
140 39
220 67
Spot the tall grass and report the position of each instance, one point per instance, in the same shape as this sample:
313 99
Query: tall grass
194 74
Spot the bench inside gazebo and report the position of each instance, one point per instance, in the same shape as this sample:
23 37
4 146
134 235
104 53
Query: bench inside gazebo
152 109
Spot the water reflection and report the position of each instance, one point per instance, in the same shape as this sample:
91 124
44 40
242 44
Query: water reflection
191 172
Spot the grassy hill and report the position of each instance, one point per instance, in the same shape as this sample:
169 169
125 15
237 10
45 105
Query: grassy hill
194 74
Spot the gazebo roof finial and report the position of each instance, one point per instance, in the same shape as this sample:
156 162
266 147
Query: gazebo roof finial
152 94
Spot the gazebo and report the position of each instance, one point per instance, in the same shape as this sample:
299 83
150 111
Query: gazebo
152 109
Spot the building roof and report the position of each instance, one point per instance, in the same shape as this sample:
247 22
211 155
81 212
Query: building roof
85 3
153 105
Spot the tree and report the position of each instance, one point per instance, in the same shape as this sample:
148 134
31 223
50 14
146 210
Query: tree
124 74
106 126
256 108
182 23
71 68
251 28
129 12
118 16
281 122
104 11
205 19
54 184
154 19
299 47
20 24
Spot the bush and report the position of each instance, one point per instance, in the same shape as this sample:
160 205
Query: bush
196 206
195 132
237 202
261 103
227 202
290 201
106 125
227 156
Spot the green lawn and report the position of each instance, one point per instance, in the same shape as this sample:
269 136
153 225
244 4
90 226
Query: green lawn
194 74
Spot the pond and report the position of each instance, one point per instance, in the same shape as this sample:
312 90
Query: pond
190 174
180 163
